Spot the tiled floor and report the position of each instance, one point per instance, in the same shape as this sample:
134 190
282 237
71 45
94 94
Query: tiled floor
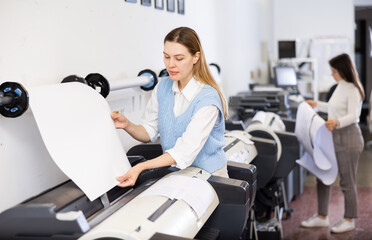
305 205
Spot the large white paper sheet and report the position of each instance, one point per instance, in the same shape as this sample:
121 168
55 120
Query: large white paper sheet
320 157
324 158
75 124
194 191
328 177
303 129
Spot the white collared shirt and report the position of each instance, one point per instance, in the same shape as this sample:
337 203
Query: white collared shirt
188 146
345 104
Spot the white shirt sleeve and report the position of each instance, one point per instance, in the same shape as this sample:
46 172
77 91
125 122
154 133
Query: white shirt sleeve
353 108
322 106
188 146
150 116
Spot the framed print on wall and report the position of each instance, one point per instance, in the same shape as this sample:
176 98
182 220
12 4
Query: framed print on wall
181 6
159 4
131 1
170 5
146 2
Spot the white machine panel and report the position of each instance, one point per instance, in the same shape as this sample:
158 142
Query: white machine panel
239 147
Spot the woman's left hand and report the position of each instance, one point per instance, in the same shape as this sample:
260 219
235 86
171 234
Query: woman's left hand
331 124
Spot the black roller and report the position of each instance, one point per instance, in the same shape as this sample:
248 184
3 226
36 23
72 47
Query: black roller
98 82
153 79
94 80
164 73
13 99
74 78
217 67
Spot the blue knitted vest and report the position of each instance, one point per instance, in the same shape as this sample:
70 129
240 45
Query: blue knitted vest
211 157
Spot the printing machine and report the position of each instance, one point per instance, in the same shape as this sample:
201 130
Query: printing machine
282 102
55 208
65 212
244 160
230 217
274 177
263 155
291 149
287 178
263 101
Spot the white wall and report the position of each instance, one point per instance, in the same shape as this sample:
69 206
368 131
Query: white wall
43 41
302 19
323 27
244 32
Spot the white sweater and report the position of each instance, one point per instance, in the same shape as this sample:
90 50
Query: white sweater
345 104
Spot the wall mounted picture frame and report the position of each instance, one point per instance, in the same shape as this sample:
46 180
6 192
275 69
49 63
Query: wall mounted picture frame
171 5
146 2
181 6
159 4
131 1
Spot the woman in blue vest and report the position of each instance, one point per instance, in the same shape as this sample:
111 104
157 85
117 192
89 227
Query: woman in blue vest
187 109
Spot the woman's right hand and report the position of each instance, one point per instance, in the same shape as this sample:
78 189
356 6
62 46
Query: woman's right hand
130 178
119 120
312 103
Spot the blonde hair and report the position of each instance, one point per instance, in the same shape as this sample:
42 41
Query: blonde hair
190 39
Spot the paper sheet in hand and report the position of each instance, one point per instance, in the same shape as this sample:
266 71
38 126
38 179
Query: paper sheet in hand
320 158
305 130
76 127
196 192
328 177
324 154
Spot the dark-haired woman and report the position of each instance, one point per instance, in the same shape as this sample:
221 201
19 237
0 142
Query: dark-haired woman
343 108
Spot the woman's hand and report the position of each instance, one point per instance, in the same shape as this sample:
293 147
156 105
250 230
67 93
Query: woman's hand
138 132
312 103
119 120
130 178
331 124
